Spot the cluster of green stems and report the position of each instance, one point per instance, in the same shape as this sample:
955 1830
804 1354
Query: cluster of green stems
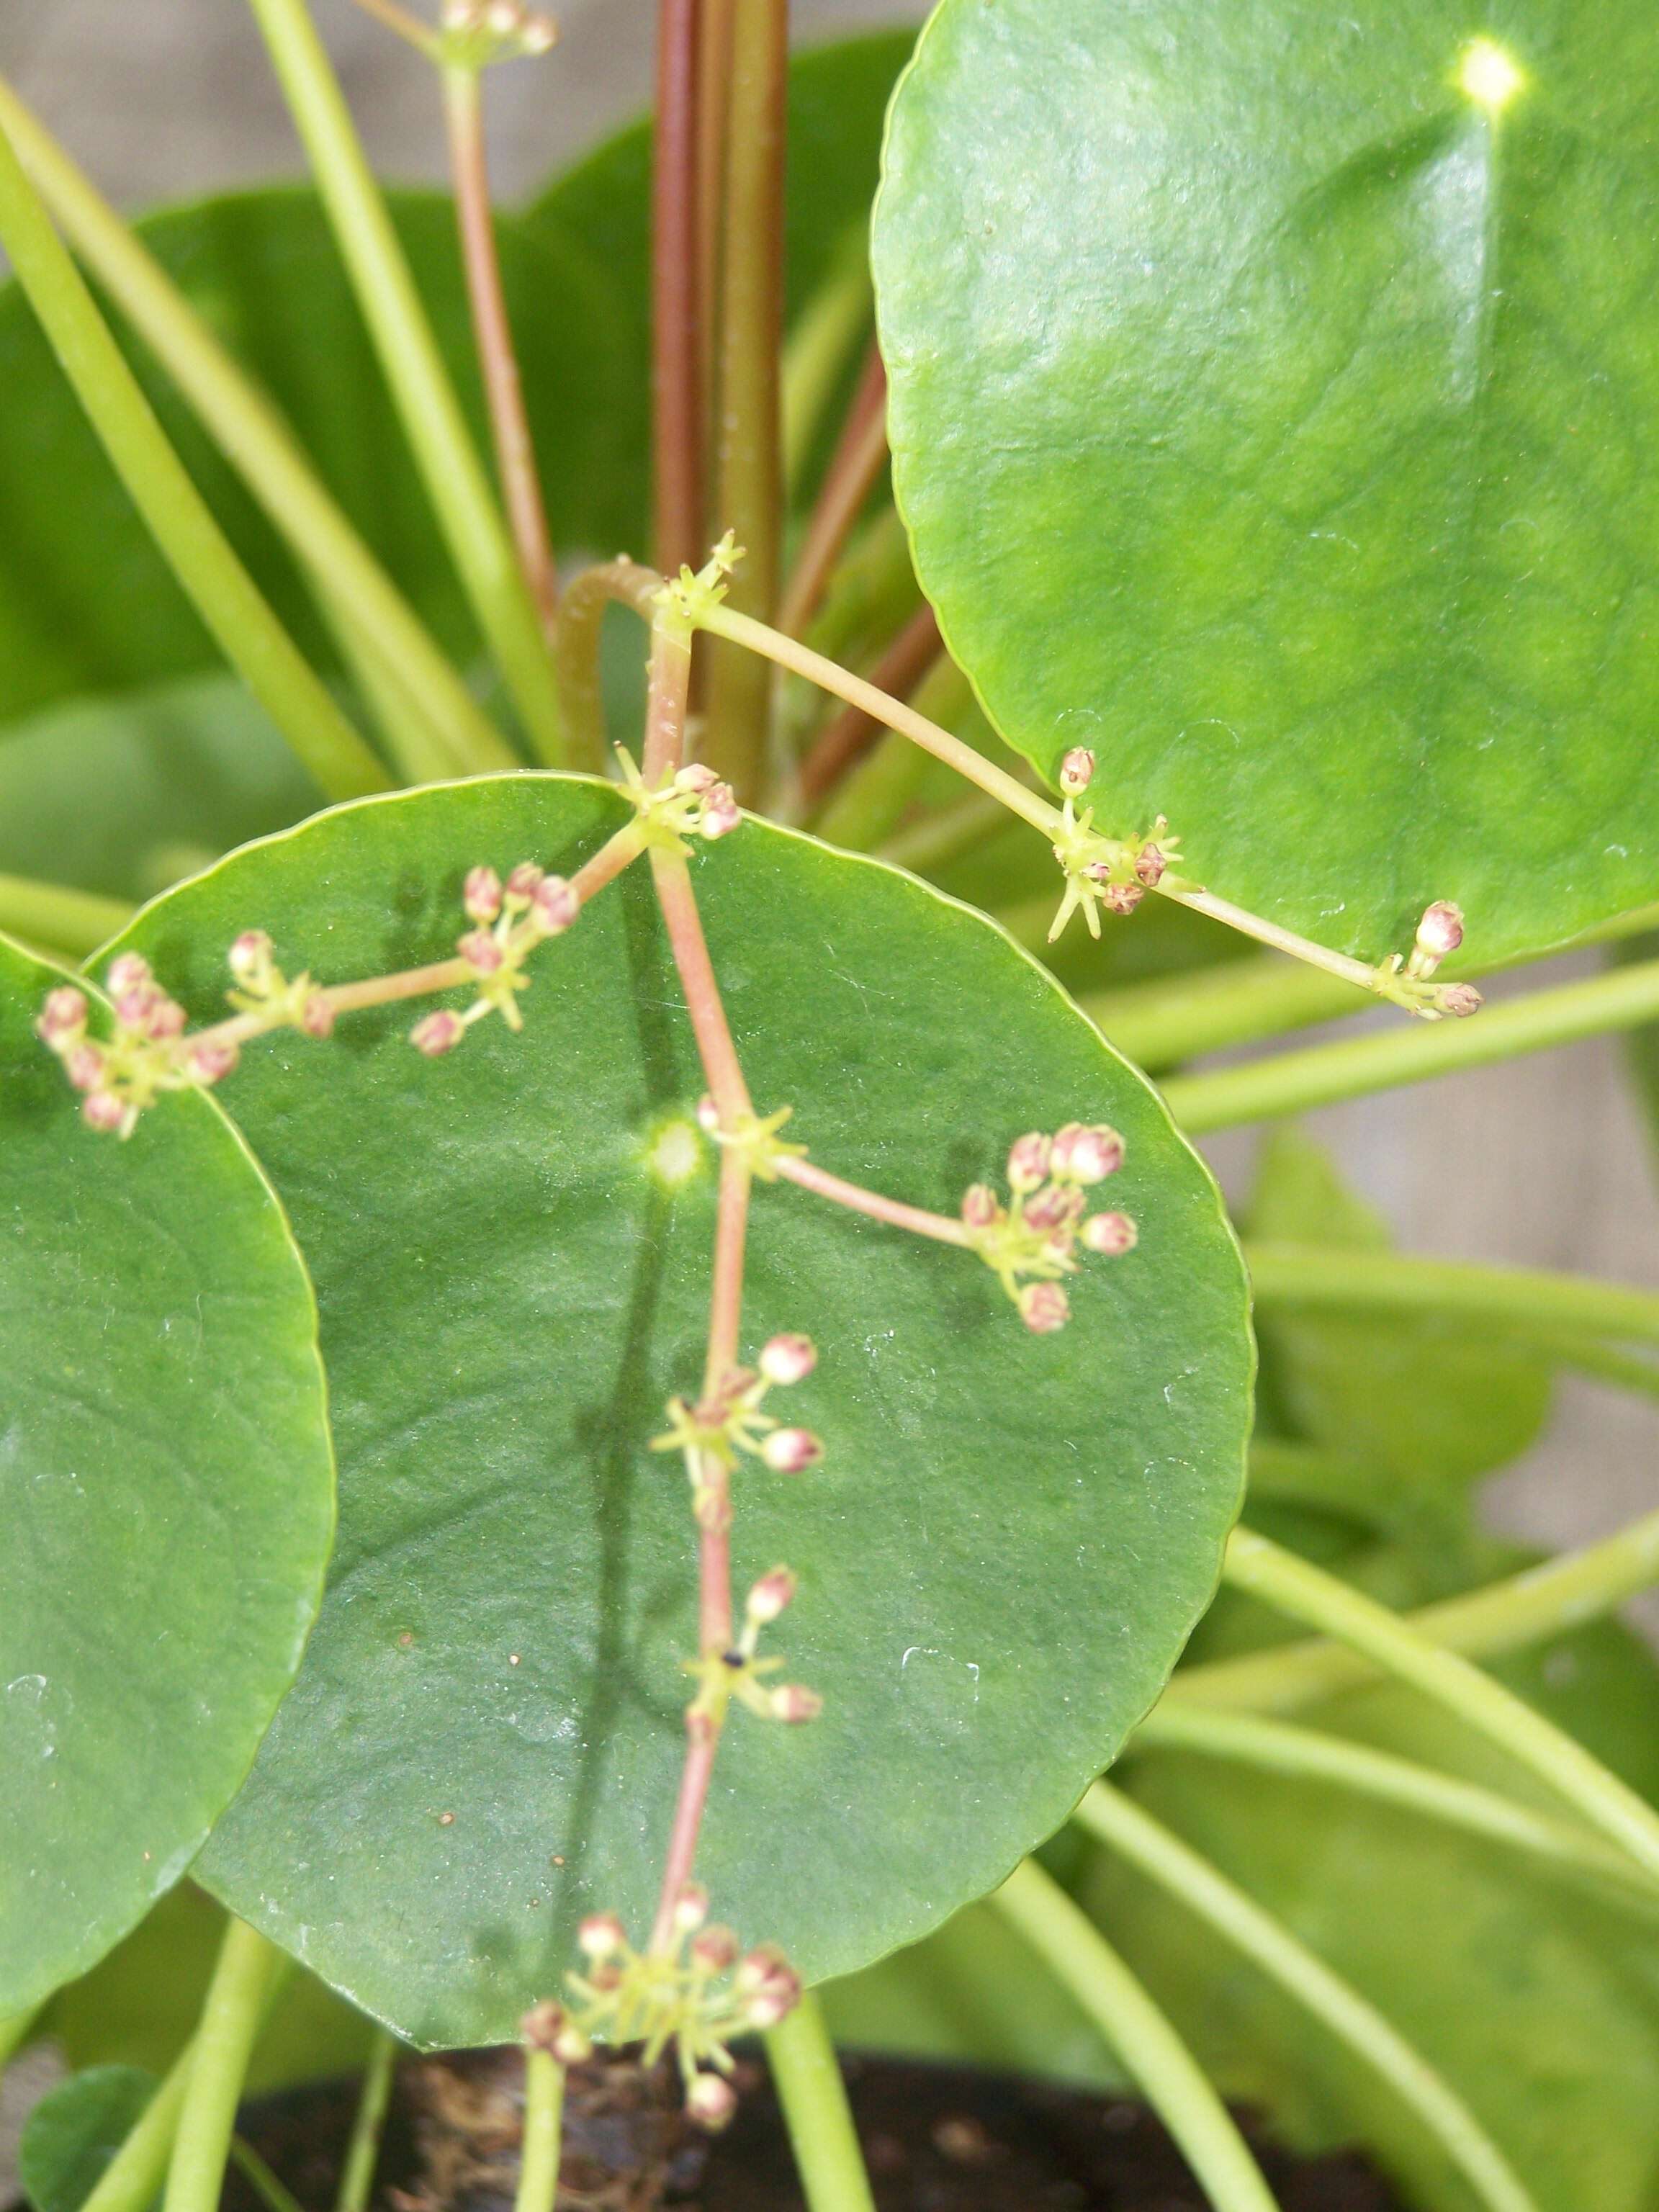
718 327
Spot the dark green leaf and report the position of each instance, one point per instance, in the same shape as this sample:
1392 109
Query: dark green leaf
1009 1541
167 1496
75 2130
1277 418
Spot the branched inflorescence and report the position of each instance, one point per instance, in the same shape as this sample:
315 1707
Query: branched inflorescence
687 1987
1031 1244
693 1994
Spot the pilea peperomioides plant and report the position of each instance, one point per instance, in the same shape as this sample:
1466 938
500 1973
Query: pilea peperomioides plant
613 1010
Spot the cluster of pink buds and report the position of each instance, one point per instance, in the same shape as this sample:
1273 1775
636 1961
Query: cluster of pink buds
1032 1242
1407 982
1113 872
693 802
696 1992
118 1076
264 996
714 1430
478 31
509 921
739 1672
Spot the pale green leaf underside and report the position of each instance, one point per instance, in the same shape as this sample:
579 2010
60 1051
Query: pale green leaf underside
1279 420
165 1489
1000 1559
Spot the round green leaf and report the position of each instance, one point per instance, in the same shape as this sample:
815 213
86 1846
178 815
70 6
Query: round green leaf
73 2132
166 1489
1000 1559
1275 414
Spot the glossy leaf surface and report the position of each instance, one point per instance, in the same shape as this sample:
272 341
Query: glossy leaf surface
1000 1559
1272 401
167 1496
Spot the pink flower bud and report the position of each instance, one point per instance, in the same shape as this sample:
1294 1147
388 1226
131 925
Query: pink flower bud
1054 1208
1150 865
709 1116
541 2025
85 1066
1028 1161
768 1985
211 1059
317 1017
481 895
571 2045
164 1019
691 1908
785 1359
601 1935
1043 1308
1121 898
480 951
438 1033
1460 999
720 812
63 1021
770 1595
523 881
134 1008
1109 1232
792 1701
979 1205
792 1451
713 1948
1087 1152
711 2102
103 1111
1441 930
555 906
1076 771
250 956
539 35
696 775
130 972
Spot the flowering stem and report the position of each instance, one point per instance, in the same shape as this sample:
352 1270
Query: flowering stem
224 2042
576 647
1163 1857
1272 1747
807 2076
606 864
854 467
498 360
544 2116
1139 2034
368 2125
424 398
853 733
677 297
750 487
179 518
1292 1585
940 1226
259 445
1294 1082
1544 1601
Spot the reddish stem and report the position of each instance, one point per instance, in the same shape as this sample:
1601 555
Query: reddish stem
714 101
858 459
721 1069
853 733
940 1226
677 294
608 863
515 455
576 643
749 491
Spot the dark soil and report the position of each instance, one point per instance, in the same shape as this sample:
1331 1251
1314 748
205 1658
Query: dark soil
937 2139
